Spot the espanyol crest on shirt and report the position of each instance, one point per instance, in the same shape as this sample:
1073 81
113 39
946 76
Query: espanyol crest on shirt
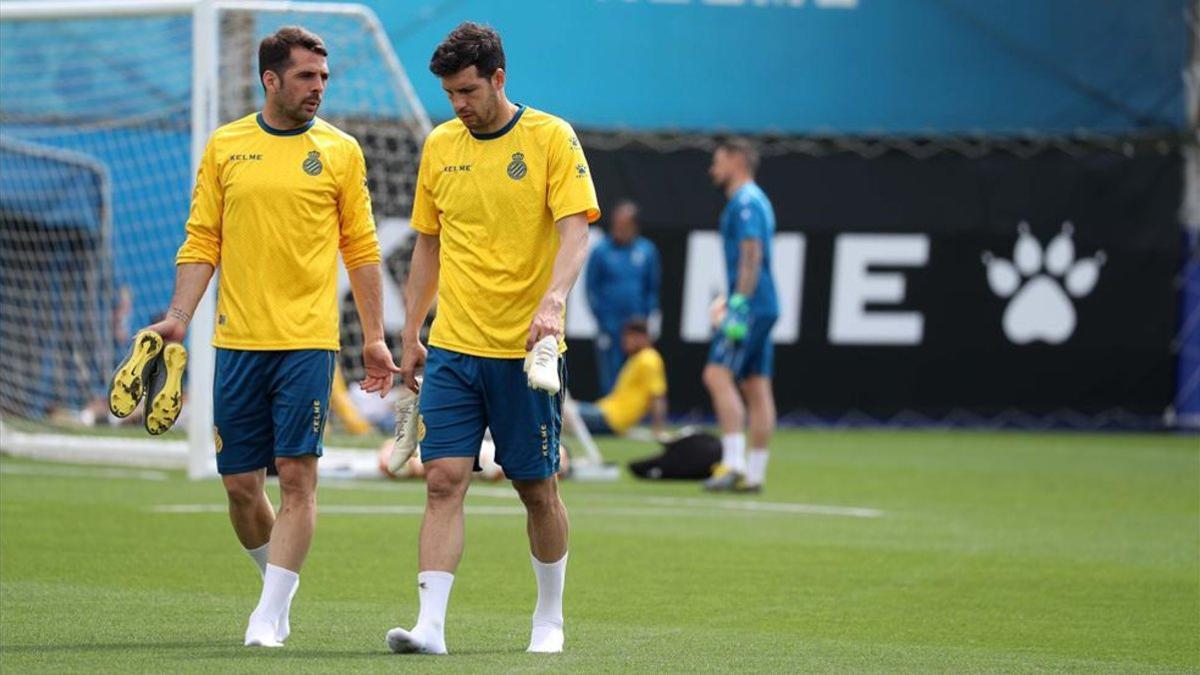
517 168
312 166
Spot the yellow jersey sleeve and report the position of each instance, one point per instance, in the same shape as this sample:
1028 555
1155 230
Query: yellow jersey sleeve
203 242
356 240
425 212
570 188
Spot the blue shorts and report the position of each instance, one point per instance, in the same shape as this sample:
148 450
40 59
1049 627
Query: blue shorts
752 356
270 404
462 394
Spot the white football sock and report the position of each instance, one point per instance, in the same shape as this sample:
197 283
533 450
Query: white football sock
756 466
279 587
547 634
429 635
434 593
259 556
733 451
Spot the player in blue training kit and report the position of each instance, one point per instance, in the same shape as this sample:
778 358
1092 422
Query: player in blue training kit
623 277
742 353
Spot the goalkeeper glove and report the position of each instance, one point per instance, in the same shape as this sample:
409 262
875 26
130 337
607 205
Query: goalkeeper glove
737 318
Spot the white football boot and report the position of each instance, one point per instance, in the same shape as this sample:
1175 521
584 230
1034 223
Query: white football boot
541 365
408 417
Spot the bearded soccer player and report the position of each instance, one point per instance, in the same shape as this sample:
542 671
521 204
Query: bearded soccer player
741 358
502 207
278 194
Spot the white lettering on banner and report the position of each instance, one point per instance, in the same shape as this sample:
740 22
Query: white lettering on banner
704 279
787 265
855 286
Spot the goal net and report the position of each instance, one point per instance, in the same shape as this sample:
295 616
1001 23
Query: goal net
104 109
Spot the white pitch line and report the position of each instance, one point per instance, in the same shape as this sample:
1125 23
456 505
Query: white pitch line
769 507
413 486
349 509
725 504
706 510
73 472
405 510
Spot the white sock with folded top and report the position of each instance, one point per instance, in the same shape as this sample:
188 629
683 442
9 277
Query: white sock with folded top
271 614
429 635
259 556
733 452
756 466
547 633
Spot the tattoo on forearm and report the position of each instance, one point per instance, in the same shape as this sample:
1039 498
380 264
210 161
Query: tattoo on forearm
176 313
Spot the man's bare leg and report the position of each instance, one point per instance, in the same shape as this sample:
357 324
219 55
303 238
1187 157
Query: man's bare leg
760 402
441 549
548 528
251 513
731 415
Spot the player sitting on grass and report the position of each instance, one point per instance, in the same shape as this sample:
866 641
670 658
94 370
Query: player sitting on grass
641 388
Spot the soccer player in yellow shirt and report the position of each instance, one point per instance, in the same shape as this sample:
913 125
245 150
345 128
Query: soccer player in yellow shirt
503 201
278 194
641 387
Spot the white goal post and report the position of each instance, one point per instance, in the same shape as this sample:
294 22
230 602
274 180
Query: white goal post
103 81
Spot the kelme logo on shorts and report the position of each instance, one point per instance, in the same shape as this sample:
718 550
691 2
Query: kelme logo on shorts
316 420
312 165
517 168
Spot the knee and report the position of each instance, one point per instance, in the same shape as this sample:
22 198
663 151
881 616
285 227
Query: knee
539 496
714 378
444 486
757 393
297 481
243 492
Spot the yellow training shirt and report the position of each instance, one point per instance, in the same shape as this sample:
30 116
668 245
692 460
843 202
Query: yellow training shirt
272 208
642 379
492 200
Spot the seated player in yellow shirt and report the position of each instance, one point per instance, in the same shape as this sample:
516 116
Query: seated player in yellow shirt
641 387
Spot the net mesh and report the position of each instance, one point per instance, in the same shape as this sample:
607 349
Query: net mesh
95 147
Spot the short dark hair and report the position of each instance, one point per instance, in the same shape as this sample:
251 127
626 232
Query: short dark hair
743 147
636 325
470 44
275 51
627 205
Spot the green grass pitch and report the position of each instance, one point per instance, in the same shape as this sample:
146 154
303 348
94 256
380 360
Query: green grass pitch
970 552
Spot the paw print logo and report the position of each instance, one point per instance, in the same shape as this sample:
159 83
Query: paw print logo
1039 285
